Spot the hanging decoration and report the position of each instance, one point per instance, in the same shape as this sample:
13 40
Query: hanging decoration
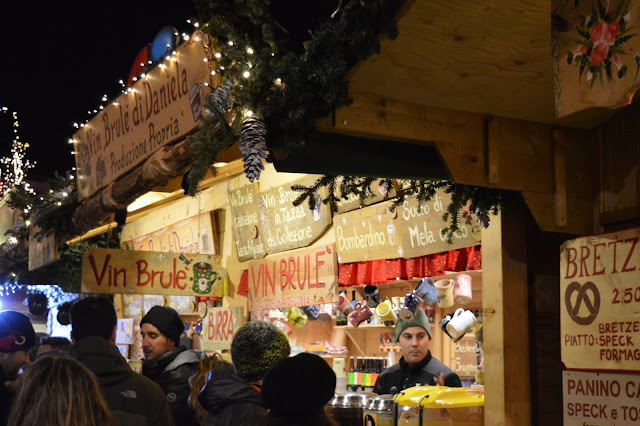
37 303
64 314
285 82
253 147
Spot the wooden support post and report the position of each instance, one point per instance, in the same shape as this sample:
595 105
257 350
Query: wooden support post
493 157
559 180
506 319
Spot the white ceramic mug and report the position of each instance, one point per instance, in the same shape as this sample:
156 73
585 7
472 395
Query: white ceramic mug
444 292
463 291
460 323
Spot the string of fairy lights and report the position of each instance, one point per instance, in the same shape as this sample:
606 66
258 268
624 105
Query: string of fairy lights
13 169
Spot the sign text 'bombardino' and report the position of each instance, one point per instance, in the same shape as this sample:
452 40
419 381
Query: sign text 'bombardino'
146 272
600 300
297 278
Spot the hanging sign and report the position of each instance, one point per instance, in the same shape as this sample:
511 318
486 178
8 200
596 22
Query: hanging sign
596 60
42 251
370 233
220 325
9 218
297 278
600 301
465 360
195 234
157 109
600 399
377 192
286 226
245 219
146 272
421 225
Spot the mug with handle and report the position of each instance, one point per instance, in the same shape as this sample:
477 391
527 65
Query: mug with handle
408 310
460 323
425 289
462 291
386 313
444 290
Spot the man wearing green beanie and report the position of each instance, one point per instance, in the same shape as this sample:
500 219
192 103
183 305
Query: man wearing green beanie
416 367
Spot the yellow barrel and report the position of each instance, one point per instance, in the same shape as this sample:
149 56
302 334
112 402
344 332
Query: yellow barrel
440 405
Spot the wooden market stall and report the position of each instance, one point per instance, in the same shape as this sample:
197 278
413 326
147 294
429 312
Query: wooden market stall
474 84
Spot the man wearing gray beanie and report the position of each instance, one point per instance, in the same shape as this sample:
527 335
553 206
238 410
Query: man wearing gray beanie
235 399
167 363
416 367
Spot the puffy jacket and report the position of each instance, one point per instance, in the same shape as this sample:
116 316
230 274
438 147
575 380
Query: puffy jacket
401 376
230 400
132 398
172 371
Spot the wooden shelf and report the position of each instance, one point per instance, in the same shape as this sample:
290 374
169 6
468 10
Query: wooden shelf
363 326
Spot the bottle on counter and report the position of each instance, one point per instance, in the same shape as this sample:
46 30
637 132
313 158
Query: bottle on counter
351 374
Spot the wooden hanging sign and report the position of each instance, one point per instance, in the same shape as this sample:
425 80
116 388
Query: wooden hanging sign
370 233
220 325
145 272
159 109
42 251
600 301
286 226
298 278
245 222
421 226
378 193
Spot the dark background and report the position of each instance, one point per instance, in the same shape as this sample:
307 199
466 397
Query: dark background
61 57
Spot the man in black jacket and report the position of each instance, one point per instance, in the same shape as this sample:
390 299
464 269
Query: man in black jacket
167 363
16 338
416 367
132 398
235 399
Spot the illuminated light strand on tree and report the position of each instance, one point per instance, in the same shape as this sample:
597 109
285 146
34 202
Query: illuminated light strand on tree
13 169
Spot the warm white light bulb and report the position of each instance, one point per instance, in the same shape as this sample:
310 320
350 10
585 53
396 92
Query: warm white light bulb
246 74
218 55
248 113
230 43
249 51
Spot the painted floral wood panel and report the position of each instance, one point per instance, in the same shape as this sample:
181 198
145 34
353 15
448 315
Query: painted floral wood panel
596 53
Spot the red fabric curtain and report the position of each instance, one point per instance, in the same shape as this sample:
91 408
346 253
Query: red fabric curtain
376 272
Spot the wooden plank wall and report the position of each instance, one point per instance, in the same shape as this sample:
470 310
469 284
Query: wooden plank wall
619 157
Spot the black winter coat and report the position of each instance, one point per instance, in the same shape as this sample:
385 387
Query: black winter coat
401 376
172 371
132 398
230 400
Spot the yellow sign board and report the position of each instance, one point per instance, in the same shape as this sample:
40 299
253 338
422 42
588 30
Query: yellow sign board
600 301
160 108
145 272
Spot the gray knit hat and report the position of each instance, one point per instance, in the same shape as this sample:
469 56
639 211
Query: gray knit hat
420 320
166 320
256 347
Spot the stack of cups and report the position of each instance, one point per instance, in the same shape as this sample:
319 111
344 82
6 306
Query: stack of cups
339 367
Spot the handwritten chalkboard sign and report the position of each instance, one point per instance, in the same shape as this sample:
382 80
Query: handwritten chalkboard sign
286 226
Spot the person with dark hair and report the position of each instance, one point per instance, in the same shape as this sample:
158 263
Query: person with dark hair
234 399
417 366
132 398
299 408
59 391
53 344
198 380
167 363
16 338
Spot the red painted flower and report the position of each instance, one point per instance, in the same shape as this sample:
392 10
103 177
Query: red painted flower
599 54
597 32
610 33
616 60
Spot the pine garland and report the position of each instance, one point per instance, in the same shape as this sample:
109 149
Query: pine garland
270 73
467 202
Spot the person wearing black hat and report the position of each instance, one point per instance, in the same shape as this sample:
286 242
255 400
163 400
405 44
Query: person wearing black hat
132 398
234 398
167 363
416 367
287 407
16 338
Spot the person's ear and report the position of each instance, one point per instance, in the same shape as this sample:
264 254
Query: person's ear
73 339
113 335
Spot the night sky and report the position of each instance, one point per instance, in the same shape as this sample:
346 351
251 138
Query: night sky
61 57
